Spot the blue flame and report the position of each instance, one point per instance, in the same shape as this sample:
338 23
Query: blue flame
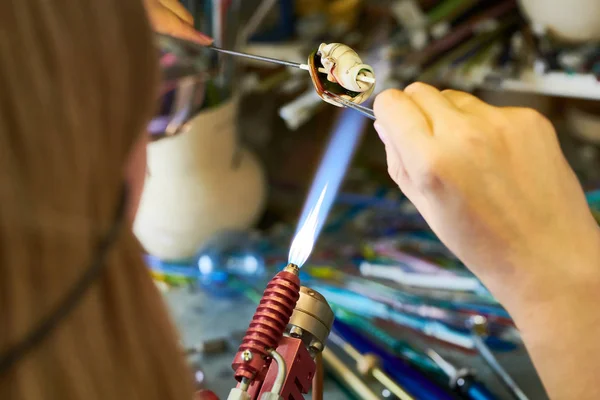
326 184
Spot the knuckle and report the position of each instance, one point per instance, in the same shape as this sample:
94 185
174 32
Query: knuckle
386 97
416 87
530 114
389 93
463 101
531 120
452 92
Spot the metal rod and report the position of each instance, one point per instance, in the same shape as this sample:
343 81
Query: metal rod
358 106
317 383
281 372
349 349
255 20
367 112
375 372
364 79
445 366
479 328
390 384
255 57
346 375
495 366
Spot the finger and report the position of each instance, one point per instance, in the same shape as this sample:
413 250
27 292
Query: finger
399 174
402 126
466 102
436 107
178 9
168 23
394 110
397 170
401 123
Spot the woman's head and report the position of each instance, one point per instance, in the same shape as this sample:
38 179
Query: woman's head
77 87
79 78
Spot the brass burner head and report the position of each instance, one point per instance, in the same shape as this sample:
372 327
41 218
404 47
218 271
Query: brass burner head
312 317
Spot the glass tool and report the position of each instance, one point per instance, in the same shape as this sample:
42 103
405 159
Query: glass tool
325 92
462 380
368 364
480 330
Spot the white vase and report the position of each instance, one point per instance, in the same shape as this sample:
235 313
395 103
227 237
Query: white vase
570 20
199 184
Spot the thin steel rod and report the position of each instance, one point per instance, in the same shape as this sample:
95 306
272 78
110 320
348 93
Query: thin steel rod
495 366
444 365
367 112
255 57
364 79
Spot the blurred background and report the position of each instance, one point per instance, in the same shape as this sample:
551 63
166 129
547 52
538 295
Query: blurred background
223 198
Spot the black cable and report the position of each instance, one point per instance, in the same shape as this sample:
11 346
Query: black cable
37 335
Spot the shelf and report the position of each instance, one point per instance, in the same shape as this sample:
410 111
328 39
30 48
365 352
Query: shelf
552 84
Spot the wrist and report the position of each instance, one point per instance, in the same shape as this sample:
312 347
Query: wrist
554 274
559 321
557 275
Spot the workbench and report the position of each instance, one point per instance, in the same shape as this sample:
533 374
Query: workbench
201 317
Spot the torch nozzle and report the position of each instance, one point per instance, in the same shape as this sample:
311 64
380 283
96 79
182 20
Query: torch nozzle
292 268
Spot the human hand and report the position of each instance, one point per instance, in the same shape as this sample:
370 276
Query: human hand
171 18
492 183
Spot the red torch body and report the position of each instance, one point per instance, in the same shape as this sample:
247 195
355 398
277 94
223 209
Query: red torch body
268 324
277 357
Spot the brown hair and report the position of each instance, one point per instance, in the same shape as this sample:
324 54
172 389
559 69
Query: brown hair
77 86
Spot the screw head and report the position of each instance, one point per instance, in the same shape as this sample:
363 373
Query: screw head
247 356
316 346
296 332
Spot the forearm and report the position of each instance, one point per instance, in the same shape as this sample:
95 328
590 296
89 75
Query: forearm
562 338
558 316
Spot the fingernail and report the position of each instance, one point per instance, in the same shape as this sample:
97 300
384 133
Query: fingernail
380 132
